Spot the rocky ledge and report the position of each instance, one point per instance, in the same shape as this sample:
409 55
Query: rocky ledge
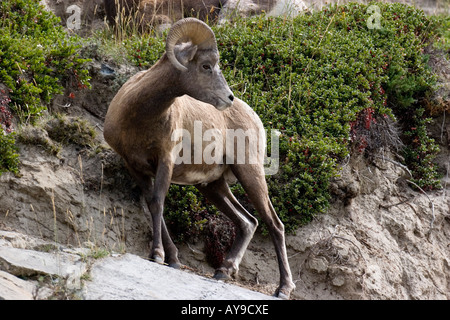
34 269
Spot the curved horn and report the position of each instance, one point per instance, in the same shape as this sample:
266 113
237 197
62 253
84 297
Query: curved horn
198 32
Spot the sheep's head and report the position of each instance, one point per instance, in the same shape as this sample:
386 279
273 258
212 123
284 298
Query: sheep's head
191 47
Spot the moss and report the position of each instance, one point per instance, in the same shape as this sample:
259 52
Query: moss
68 130
38 136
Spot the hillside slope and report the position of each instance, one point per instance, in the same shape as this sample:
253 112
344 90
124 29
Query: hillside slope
380 239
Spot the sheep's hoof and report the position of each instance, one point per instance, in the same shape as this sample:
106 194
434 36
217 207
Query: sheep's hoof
220 275
175 265
157 259
282 296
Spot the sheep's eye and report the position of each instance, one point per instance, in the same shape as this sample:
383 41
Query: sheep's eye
206 67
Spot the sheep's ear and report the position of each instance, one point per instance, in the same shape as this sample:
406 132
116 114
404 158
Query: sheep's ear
190 52
186 54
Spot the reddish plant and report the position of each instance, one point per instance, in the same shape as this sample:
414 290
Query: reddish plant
219 237
5 112
360 128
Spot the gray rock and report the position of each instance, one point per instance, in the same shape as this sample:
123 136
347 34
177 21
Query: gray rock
13 288
23 262
129 277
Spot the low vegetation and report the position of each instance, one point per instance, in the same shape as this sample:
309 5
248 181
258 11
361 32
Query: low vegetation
38 59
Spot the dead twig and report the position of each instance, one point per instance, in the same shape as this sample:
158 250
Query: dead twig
396 163
413 183
345 239
432 204
395 204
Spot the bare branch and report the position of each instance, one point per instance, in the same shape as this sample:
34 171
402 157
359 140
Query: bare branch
396 163
432 204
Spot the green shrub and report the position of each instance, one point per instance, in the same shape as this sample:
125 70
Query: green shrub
316 78
38 59
9 157
8 150
186 212
311 78
37 56
144 51
443 43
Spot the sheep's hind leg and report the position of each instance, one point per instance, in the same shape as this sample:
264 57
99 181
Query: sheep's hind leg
253 181
220 195
170 249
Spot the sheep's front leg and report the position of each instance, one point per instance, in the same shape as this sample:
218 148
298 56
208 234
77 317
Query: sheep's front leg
156 206
170 250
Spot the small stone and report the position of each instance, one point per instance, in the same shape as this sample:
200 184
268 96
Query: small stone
338 281
319 265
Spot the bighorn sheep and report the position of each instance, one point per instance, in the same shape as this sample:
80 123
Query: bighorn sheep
184 87
161 12
246 8
165 12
